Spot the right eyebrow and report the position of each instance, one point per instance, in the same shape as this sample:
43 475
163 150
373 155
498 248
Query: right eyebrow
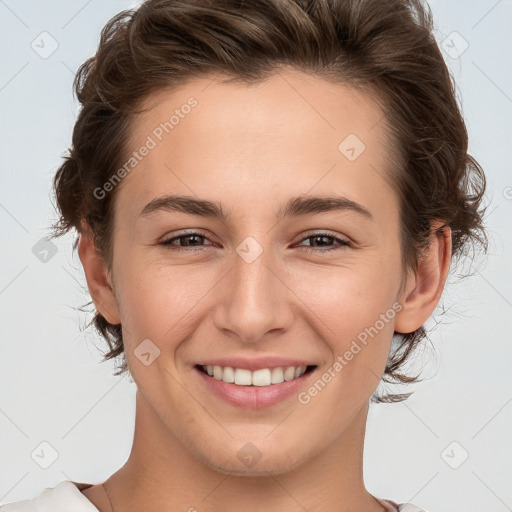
185 204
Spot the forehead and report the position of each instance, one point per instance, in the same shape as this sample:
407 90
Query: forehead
288 135
284 104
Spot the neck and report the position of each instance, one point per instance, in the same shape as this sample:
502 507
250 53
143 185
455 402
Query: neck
163 474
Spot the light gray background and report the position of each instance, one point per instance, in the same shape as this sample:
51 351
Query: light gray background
52 387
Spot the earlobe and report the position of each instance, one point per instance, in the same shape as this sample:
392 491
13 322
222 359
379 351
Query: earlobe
425 286
97 276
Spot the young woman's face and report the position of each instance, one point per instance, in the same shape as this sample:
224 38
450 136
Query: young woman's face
269 279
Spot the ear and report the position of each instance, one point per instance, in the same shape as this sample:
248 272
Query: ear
97 276
424 287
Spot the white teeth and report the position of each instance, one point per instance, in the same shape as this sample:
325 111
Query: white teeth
217 372
243 377
277 376
229 374
263 377
289 373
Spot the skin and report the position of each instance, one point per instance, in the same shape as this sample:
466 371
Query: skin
252 148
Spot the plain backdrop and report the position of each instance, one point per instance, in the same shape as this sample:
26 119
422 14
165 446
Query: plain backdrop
446 449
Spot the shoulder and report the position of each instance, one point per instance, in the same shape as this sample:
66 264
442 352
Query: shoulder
409 507
391 506
55 499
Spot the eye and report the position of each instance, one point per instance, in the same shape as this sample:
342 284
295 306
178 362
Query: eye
190 240
194 239
323 240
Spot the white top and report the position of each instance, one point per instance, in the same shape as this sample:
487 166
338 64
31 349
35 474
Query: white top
67 496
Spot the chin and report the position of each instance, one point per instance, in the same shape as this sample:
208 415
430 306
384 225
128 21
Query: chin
249 461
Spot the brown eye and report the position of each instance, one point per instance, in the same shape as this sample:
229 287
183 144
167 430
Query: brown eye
190 240
323 240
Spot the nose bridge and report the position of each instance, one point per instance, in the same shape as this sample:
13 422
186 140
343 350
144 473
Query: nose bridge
254 300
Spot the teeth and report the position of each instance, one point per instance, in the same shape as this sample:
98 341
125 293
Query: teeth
217 372
242 377
228 374
277 376
289 373
263 377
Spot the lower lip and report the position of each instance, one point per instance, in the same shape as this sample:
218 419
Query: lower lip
254 397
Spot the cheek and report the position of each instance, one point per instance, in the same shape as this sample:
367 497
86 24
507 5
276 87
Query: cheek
354 308
357 331
350 296
160 304
359 326
361 304
157 301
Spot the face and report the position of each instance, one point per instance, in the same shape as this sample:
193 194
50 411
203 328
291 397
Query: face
271 282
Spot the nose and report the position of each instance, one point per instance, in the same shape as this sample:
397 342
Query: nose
255 301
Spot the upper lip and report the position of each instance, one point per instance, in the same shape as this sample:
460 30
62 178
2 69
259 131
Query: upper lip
254 363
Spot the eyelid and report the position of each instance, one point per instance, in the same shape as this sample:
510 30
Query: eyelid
342 240
189 232
325 232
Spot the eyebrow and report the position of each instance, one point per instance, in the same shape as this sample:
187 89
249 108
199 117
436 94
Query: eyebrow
294 207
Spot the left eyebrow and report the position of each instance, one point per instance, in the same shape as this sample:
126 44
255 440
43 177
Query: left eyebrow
304 205
294 207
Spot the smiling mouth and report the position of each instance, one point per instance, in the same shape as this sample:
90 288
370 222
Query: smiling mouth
248 378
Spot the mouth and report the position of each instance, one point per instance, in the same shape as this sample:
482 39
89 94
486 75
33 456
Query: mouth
258 378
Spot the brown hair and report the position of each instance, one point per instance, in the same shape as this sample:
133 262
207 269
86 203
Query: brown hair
385 48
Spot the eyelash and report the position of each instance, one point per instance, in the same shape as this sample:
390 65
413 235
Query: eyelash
343 243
